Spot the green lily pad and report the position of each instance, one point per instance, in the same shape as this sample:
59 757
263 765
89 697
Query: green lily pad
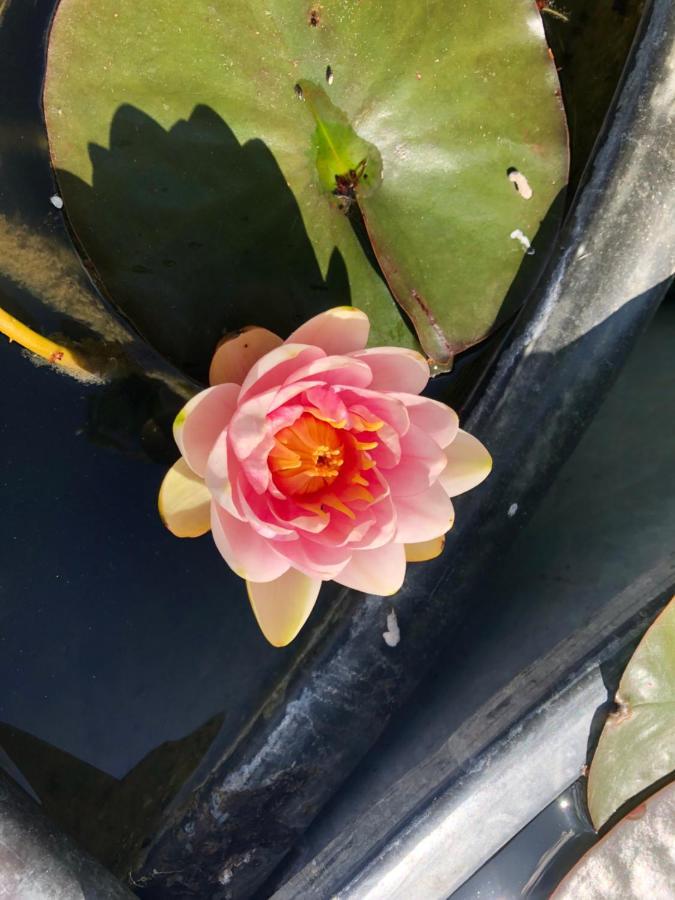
634 860
188 162
637 744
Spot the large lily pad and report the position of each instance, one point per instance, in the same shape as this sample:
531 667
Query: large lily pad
188 161
634 860
637 744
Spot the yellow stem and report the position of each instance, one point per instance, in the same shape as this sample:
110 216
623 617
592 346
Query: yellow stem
53 353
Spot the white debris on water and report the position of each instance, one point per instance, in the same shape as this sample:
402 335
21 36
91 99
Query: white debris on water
513 509
392 635
56 201
517 235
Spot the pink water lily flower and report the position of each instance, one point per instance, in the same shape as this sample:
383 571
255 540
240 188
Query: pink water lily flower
315 459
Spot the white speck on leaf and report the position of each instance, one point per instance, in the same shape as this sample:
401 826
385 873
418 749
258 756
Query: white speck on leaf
513 509
392 635
56 201
520 182
517 235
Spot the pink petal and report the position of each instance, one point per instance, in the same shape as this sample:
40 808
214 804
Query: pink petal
436 419
251 438
342 531
201 420
247 553
395 369
313 558
387 454
469 463
282 606
422 461
222 469
423 516
342 370
340 330
326 404
275 367
236 353
382 407
379 571
289 513
257 513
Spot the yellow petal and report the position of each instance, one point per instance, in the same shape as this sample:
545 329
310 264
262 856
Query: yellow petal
282 606
425 550
469 463
237 353
184 502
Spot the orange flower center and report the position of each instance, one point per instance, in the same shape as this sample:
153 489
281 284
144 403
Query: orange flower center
307 456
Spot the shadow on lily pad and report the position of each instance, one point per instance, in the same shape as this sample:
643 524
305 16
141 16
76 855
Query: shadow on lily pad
193 234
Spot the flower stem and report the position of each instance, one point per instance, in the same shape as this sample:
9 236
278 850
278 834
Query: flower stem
51 352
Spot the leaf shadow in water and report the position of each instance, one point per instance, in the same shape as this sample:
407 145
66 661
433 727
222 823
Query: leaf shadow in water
192 234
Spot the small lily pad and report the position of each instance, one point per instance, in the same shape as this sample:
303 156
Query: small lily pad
637 744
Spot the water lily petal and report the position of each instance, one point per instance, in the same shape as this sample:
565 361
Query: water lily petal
313 557
387 454
247 553
282 606
274 368
425 550
223 471
424 516
380 571
341 370
201 420
340 330
184 502
422 462
436 419
237 353
325 403
378 406
395 369
469 463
